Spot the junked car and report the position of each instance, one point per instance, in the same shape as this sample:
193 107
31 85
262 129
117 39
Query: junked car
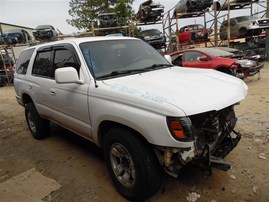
213 58
223 4
144 113
153 37
243 26
191 6
16 36
107 20
149 11
193 33
42 32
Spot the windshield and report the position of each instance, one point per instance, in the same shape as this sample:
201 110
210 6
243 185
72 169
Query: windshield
150 32
104 58
43 27
245 18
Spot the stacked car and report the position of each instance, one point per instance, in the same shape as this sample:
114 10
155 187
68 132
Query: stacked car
149 11
191 7
15 36
243 26
107 20
194 33
153 37
45 32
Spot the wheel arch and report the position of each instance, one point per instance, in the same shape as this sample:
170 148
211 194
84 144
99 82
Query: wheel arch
105 126
26 99
224 69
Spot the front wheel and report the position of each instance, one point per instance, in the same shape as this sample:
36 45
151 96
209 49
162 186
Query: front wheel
132 165
38 126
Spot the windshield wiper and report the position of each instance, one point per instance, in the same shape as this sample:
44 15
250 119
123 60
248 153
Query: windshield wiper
129 71
122 72
156 66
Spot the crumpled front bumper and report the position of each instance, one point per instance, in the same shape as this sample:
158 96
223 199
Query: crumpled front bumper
214 158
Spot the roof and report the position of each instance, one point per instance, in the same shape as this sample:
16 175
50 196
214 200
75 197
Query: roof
84 39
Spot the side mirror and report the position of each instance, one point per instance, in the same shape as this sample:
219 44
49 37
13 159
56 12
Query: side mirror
67 75
203 58
168 58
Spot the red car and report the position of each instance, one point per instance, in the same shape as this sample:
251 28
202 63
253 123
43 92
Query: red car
193 33
213 58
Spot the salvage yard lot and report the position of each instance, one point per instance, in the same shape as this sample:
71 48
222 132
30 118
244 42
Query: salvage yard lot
78 170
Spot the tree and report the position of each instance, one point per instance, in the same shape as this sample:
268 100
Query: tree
85 12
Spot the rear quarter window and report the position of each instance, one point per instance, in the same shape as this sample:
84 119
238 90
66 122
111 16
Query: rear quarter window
23 61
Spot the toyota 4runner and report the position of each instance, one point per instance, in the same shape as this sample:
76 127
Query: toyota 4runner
144 113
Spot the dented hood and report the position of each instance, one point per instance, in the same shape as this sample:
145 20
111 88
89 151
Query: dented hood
191 90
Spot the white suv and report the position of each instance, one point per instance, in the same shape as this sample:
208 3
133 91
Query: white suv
121 94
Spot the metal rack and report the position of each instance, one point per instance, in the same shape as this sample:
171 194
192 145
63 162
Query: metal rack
7 52
171 21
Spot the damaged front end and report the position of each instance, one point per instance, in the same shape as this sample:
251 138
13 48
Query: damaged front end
214 138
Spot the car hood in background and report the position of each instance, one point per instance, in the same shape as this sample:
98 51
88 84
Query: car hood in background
178 89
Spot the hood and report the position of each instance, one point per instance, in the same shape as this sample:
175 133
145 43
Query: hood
173 90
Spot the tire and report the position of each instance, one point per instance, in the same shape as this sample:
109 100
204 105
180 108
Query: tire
38 126
132 165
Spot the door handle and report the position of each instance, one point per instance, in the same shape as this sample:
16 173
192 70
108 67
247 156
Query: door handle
52 92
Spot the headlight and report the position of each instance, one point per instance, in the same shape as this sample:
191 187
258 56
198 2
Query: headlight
47 30
246 63
181 128
147 37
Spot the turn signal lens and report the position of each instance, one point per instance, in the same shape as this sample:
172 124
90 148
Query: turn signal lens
181 128
177 129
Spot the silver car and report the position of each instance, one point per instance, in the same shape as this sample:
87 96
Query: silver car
223 4
192 6
243 26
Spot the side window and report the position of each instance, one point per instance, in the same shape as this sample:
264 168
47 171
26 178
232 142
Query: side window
191 56
65 58
23 61
177 60
43 65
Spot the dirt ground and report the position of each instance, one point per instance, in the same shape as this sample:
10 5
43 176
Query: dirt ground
78 166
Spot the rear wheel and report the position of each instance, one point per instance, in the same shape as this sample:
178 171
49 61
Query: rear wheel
38 126
132 165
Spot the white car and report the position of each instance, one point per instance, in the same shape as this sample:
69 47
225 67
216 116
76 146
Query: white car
144 113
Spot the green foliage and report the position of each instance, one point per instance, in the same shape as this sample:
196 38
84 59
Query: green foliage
84 12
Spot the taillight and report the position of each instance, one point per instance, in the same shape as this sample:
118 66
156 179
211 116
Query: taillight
181 128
